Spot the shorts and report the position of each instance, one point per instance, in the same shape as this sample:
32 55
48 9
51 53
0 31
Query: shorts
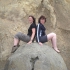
23 37
43 39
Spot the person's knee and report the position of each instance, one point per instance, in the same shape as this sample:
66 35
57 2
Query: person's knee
54 34
17 35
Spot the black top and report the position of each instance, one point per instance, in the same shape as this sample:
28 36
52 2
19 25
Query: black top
40 31
30 29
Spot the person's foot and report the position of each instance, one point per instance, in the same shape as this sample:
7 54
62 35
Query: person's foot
56 50
14 48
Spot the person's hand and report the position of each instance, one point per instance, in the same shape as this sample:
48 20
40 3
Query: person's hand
29 42
40 43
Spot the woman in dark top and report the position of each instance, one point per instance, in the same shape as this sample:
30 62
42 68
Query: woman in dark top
41 36
29 38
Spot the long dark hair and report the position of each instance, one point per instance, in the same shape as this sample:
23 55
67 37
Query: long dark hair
41 17
34 20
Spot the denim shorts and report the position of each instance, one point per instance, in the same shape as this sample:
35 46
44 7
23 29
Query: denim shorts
43 39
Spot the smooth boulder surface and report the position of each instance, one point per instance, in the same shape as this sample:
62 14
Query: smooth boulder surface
35 57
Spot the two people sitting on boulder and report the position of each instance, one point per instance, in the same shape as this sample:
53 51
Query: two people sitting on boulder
37 32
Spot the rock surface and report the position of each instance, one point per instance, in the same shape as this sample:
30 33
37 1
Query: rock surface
35 57
13 19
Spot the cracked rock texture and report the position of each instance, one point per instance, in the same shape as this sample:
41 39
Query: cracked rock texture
14 18
35 57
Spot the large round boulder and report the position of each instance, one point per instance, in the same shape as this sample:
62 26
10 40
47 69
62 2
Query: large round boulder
35 57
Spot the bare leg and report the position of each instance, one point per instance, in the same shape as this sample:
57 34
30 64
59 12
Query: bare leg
52 37
16 45
16 42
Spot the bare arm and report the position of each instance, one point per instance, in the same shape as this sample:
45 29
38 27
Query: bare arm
32 36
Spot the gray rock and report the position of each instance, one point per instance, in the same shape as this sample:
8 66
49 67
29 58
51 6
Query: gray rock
35 57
